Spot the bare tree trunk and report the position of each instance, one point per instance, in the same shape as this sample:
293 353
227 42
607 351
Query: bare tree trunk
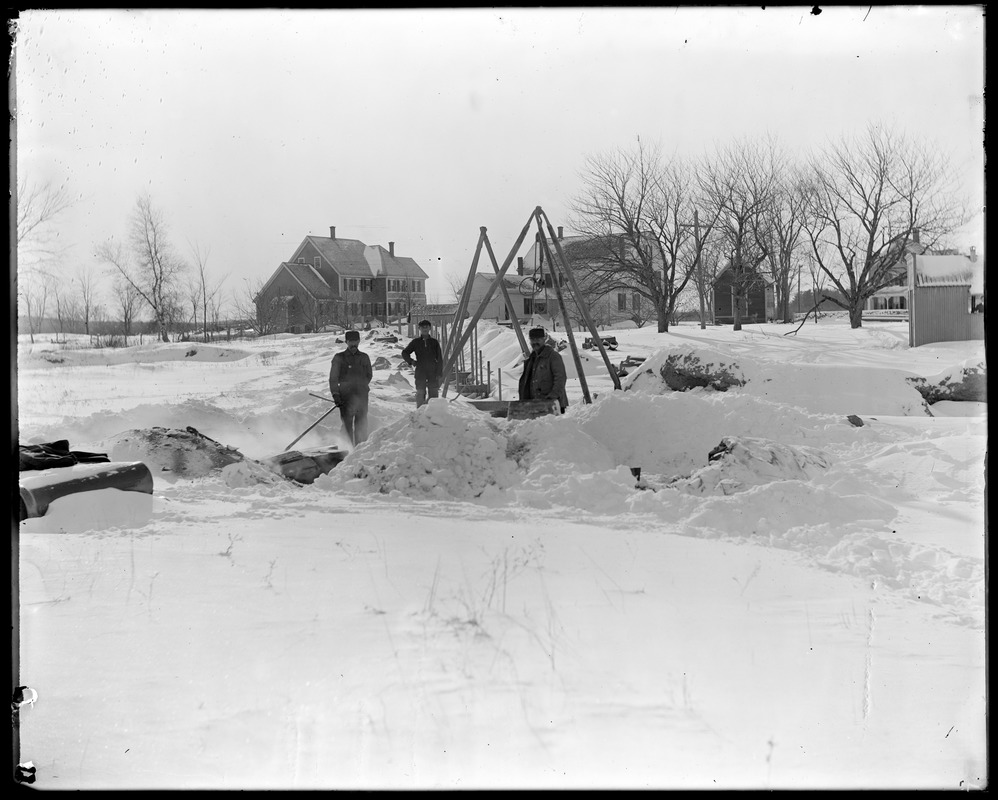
856 314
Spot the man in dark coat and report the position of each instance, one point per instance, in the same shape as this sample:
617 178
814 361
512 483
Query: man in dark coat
544 373
349 383
429 363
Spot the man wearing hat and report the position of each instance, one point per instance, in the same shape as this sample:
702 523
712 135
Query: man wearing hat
429 362
349 383
544 375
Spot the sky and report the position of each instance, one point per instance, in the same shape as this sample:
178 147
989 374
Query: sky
474 602
251 129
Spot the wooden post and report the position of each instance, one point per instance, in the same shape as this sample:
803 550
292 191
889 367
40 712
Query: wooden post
499 381
488 378
564 310
462 309
488 294
580 300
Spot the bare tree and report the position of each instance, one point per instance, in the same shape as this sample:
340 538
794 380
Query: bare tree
38 205
262 316
149 263
87 282
780 228
739 180
210 293
37 246
33 290
642 230
191 293
66 307
128 299
704 275
869 196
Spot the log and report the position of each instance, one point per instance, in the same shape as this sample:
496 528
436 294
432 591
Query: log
39 488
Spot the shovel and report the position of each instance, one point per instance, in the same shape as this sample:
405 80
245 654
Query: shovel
320 419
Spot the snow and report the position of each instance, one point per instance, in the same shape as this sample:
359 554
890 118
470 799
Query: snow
476 602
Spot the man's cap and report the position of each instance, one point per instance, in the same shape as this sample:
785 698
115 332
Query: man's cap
352 336
425 323
538 333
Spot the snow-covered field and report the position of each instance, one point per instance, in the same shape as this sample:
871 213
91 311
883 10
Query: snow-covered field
470 602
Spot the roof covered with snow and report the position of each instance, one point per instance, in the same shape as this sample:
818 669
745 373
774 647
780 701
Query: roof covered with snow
353 258
949 270
311 280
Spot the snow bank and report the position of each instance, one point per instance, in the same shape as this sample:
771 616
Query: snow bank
440 450
824 388
671 434
739 463
967 381
143 354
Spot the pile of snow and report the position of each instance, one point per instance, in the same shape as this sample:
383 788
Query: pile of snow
967 382
672 434
687 367
739 463
248 474
857 390
441 450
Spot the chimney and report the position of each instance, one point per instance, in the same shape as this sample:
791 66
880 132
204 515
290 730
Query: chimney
332 231
914 235
561 232
391 248
519 265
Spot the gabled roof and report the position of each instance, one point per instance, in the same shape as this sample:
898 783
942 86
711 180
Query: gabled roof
511 281
346 256
353 259
384 264
307 277
765 277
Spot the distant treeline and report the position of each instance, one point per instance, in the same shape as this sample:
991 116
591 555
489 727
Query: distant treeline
49 325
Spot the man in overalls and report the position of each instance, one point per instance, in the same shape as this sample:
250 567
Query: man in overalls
349 383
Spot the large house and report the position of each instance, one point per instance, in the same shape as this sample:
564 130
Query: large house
337 281
534 297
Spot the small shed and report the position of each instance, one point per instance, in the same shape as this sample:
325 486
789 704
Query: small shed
946 302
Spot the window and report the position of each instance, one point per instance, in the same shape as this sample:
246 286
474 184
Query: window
977 304
353 308
301 260
635 302
353 284
621 301
316 260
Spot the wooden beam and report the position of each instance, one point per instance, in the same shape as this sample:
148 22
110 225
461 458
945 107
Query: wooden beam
564 310
583 308
509 303
449 362
462 305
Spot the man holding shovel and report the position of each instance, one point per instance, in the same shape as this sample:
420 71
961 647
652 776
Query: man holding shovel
349 383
